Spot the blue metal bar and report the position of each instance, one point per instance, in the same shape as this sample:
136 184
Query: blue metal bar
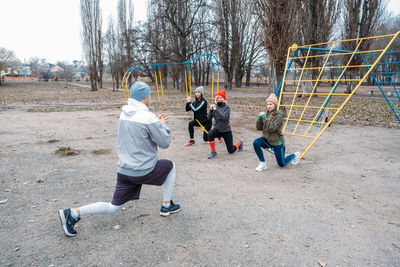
287 69
389 63
209 56
392 72
391 79
392 82
380 88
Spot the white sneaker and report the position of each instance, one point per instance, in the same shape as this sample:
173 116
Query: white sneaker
262 166
296 159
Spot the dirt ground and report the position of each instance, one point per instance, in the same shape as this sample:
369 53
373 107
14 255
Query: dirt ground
340 206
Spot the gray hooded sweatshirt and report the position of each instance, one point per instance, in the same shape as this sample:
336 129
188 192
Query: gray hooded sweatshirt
139 134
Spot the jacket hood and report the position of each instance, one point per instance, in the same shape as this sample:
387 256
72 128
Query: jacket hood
133 107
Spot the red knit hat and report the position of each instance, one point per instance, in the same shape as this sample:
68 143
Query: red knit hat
222 93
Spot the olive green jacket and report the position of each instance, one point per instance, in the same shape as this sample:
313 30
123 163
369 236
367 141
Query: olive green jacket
272 127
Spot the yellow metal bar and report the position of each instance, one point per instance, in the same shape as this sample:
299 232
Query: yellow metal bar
284 77
298 135
212 85
126 84
123 88
297 89
342 54
218 82
293 93
325 80
304 121
202 127
158 92
315 86
349 40
186 85
333 88
332 67
162 88
352 93
299 106
190 83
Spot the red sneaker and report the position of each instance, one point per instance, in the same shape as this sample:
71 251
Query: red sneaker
220 140
190 143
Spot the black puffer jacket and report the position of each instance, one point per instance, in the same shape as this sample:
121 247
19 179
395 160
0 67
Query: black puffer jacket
221 116
199 109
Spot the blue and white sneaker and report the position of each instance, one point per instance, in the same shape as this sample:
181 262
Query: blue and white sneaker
212 155
173 208
240 149
296 159
68 222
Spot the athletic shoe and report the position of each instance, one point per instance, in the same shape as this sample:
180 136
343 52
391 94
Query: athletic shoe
296 159
190 143
173 208
220 140
240 148
68 222
262 166
212 155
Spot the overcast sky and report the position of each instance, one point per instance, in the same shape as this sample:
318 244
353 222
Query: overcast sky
51 29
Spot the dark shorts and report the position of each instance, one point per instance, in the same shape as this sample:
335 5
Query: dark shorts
128 187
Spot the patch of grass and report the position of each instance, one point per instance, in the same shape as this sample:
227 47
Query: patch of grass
53 141
100 151
67 151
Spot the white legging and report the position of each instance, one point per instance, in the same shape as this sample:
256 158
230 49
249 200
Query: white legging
105 207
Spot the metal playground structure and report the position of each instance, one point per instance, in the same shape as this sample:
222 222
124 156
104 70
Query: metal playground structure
188 75
328 70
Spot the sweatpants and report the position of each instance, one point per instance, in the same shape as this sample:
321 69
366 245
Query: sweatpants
279 152
228 138
206 124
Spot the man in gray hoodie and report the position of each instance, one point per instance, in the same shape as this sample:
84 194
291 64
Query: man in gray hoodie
140 132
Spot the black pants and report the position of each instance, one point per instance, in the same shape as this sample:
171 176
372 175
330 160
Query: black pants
228 138
206 124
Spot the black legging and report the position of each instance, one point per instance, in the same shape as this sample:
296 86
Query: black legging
228 138
206 124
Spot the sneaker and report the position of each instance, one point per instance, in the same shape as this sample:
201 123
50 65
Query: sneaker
68 222
220 140
296 159
190 143
262 166
212 155
240 149
173 208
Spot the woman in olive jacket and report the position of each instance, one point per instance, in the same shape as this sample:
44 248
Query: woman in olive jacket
271 124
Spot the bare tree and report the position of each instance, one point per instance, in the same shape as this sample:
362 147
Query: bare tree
280 31
7 59
318 18
229 43
113 56
251 49
67 71
361 19
126 33
92 40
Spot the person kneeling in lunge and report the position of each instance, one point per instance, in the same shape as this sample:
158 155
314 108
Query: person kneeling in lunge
139 134
221 112
271 124
199 108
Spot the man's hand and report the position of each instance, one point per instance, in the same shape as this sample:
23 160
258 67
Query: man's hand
189 99
213 107
163 118
261 113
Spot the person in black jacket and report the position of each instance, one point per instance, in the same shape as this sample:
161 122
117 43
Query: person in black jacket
199 108
221 113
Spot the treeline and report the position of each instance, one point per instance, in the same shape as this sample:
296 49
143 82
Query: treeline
250 37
